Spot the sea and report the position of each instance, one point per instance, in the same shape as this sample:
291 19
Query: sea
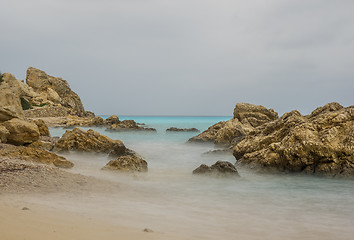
170 199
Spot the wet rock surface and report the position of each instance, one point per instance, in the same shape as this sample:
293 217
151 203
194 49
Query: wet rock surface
129 163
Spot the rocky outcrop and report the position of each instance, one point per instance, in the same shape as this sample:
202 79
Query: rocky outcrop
130 163
89 141
112 120
53 91
48 111
45 143
21 132
321 143
229 133
33 155
128 125
174 129
220 168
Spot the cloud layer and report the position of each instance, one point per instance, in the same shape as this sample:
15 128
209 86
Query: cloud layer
149 57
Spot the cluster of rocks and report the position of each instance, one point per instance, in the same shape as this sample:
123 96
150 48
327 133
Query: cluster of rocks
321 143
26 108
174 129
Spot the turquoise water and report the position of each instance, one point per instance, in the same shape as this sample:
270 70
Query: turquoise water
168 198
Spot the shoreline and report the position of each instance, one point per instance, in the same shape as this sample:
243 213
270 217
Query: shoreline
23 220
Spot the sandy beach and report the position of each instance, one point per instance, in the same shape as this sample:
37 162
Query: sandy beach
23 219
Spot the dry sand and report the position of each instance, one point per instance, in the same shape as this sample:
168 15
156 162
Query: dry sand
20 219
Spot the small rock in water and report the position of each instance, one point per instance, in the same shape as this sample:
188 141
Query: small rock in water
147 230
25 208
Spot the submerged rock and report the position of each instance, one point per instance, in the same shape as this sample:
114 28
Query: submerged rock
128 125
321 143
129 163
174 129
34 155
220 168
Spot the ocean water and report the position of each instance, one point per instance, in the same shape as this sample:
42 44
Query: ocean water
168 198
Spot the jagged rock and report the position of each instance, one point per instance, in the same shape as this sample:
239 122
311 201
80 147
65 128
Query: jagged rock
21 132
220 168
54 89
34 155
321 143
89 141
174 129
130 163
89 114
42 127
127 125
4 133
254 115
218 152
112 120
97 121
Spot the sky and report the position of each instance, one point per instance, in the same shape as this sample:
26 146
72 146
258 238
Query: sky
186 57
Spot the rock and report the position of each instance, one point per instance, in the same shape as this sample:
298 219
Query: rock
321 143
34 155
147 230
174 129
97 121
42 127
89 114
4 134
55 90
129 163
112 120
21 132
208 135
25 208
220 168
128 125
254 115
218 152
45 143
89 141
48 111
10 103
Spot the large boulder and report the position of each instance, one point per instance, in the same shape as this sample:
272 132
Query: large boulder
321 143
54 90
34 155
10 103
220 168
128 163
128 125
112 120
21 132
89 141
229 133
254 115
42 127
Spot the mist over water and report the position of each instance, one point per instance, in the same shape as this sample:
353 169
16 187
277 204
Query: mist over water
168 198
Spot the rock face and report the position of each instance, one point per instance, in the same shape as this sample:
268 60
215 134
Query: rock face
229 133
130 163
42 127
321 143
21 132
34 155
48 111
54 90
220 168
89 141
11 90
4 134
174 129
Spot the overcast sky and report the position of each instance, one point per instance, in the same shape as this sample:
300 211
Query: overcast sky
186 57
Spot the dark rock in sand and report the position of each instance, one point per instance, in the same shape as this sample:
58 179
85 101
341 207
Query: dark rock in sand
174 129
129 163
220 168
